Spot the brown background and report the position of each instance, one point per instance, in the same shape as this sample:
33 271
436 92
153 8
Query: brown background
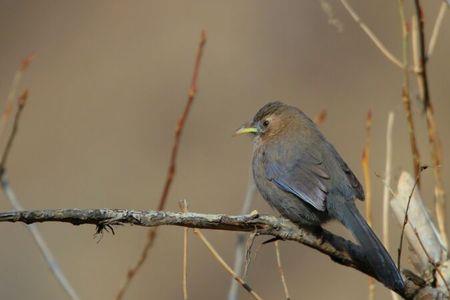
107 87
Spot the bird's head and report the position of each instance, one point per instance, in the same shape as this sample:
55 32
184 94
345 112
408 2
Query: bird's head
268 121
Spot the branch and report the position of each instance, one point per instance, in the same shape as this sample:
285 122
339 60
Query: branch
406 97
433 137
340 250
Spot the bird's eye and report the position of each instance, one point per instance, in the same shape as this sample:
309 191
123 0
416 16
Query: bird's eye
266 123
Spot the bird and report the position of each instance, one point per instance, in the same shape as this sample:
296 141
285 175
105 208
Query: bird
302 176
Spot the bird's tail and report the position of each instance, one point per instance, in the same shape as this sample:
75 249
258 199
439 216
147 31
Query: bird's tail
377 256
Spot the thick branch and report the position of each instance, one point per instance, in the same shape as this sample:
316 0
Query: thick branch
339 249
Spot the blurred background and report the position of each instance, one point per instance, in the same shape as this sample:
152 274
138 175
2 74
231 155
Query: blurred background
107 86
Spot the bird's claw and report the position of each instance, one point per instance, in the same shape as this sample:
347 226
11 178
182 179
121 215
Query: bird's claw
271 240
282 237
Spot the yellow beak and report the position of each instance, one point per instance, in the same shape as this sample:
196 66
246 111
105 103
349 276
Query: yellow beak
245 130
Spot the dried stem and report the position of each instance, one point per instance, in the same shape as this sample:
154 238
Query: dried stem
387 179
226 266
365 162
391 57
281 270
433 137
171 170
436 29
240 243
406 99
405 220
430 260
184 208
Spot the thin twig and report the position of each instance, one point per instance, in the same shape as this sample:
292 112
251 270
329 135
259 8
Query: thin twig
415 53
226 266
391 57
436 29
240 243
433 137
430 259
20 106
14 201
184 208
281 270
406 98
172 167
9 102
365 162
49 258
422 54
339 249
405 220
248 251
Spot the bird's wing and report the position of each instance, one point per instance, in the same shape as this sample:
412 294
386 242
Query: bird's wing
354 182
305 177
353 185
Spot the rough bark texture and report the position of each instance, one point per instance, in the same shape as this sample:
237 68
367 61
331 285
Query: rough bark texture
337 248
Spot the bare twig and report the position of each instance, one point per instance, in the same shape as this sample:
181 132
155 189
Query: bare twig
431 261
422 54
21 105
248 251
172 167
406 98
49 258
365 162
341 251
226 266
436 29
240 243
433 137
9 102
391 57
405 220
420 219
14 201
184 208
281 270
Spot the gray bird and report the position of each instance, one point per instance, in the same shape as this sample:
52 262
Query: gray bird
300 174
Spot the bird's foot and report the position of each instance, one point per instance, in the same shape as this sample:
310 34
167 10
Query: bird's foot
282 237
319 233
271 240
